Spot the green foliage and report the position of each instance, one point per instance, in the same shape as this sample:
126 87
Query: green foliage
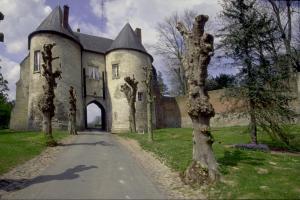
18 147
221 81
248 174
5 105
250 36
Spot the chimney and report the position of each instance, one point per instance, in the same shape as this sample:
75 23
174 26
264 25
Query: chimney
78 30
138 33
66 16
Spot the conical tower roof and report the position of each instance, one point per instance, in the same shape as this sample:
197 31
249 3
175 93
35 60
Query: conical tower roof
54 24
127 39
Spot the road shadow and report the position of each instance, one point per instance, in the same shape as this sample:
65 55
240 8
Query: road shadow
233 158
102 143
10 185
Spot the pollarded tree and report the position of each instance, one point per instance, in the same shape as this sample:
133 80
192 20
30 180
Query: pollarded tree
46 104
148 83
130 89
196 59
72 112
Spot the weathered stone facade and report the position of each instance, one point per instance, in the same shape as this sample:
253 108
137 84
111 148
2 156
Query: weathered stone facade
86 64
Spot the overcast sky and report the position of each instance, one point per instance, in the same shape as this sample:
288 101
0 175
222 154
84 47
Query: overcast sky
23 16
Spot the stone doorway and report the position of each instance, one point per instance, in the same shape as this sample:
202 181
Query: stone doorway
95 116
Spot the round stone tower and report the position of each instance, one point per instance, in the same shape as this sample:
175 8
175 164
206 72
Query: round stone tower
55 29
127 57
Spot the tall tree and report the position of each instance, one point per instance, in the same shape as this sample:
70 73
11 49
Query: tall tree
130 89
5 104
250 37
46 102
72 112
150 99
200 48
170 46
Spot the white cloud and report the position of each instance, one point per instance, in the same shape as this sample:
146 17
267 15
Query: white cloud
11 72
21 18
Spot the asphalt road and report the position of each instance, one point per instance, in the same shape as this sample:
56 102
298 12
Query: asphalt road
95 166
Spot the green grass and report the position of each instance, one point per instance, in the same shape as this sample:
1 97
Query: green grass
18 147
247 174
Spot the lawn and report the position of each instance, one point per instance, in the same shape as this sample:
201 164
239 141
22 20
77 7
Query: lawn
246 174
18 147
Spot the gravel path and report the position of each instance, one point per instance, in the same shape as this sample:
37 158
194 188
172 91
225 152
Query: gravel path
92 165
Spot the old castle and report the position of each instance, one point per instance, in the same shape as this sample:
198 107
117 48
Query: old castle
96 67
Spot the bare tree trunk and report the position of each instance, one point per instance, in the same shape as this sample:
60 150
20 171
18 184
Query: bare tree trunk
253 125
148 83
199 51
132 117
46 104
130 89
72 112
149 120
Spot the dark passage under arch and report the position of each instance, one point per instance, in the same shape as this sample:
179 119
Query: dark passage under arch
95 116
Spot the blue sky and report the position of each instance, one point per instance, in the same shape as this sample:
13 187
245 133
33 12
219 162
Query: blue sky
23 16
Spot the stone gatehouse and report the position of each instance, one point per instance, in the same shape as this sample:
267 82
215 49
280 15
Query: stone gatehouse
94 66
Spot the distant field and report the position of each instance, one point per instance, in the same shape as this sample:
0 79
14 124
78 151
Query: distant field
247 174
18 147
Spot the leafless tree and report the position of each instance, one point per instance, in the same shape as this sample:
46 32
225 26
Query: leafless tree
170 46
46 104
199 49
150 99
130 89
72 112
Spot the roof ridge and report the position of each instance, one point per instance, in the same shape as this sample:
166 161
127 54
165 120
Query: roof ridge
92 35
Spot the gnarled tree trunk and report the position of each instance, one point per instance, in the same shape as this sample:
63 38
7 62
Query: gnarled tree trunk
46 104
199 49
72 112
130 89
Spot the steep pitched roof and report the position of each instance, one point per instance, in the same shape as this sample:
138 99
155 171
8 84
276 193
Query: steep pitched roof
127 39
54 23
94 43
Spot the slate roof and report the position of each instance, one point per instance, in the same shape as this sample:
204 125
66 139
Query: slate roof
53 23
127 38
94 43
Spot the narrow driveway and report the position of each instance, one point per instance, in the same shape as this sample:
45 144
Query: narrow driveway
95 166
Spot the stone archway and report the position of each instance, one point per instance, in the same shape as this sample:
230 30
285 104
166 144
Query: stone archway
102 114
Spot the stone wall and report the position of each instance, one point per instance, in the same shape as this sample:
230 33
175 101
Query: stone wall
19 120
70 62
229 112
173 111
130 63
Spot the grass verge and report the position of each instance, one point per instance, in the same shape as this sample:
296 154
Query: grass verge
246 174
17 147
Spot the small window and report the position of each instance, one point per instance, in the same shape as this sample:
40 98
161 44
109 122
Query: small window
115 71
140 96
93 73
37 61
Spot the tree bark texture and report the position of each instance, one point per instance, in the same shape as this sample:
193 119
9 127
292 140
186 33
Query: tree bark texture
199 49
72 112
46 102
150 99
129 88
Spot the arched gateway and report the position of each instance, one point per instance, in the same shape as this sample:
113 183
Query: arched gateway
98 120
